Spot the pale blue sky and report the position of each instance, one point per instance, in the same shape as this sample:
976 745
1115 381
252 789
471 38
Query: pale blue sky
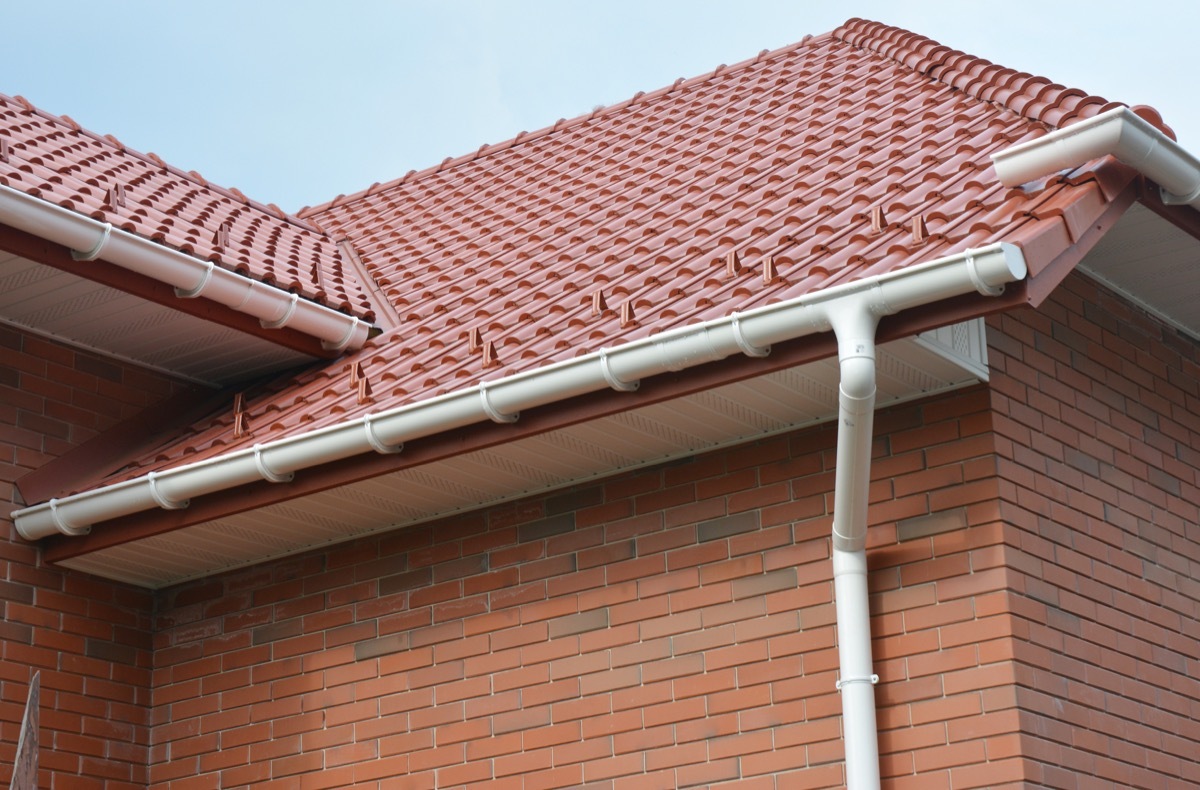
295 102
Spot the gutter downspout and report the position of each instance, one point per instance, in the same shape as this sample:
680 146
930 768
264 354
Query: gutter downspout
1119 133
855 330
89 239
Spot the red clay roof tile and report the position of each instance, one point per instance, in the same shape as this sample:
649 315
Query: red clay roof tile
852 154
53 158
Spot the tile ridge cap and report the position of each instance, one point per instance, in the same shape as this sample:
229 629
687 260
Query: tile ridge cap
723 71
155 160
1033 97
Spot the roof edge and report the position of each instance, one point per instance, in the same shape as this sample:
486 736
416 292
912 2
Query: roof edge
985 271
89 240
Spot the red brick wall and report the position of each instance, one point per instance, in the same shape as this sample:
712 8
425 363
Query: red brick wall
1098 431
668 628
1033 550
90 639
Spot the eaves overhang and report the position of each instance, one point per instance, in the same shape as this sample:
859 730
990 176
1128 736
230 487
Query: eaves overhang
983 273
56 248
548 449
1149 253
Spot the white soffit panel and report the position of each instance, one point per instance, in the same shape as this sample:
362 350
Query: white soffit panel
110 322
755 408
1154 264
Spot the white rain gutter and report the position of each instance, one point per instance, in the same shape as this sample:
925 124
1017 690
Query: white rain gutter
985 270
1119 133
89 239
852 311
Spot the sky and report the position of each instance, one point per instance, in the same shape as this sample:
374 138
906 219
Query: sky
296 101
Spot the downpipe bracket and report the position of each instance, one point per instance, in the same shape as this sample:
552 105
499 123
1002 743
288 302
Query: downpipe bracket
871 679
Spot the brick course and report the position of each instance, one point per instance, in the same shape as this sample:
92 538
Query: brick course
1098 421
630 648
89 638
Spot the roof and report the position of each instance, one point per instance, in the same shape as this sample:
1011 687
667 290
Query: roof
849 155
622 224
53 158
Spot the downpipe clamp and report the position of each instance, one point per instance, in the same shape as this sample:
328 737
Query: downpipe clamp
871 679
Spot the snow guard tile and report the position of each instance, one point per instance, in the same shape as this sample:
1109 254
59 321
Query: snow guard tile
847 155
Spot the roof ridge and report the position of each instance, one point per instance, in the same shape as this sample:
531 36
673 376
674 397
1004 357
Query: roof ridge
1030 96
151 158
562 124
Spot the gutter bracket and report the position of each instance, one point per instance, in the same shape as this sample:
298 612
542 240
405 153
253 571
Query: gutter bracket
192 293
345 341
163 501
287 315
493 414
1172 199
269 474
377 444
981 286
739 337
94 252
611 378
66 527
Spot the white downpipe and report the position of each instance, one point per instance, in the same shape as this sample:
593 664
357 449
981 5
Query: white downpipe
1118 132
191 277
985 270
856 677
855 330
